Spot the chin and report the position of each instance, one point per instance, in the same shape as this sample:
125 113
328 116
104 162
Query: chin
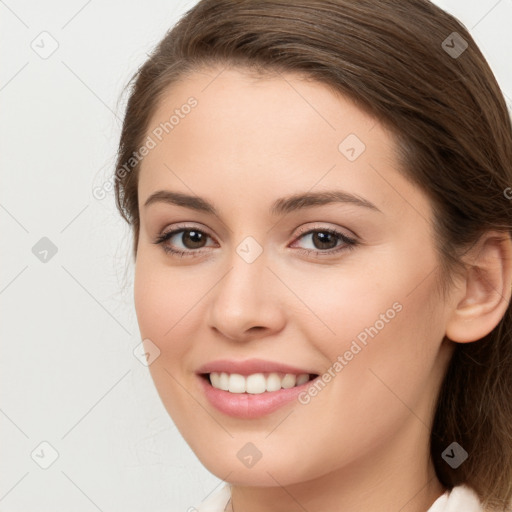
272 470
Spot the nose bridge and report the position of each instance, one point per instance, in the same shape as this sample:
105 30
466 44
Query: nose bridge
241 300
247 266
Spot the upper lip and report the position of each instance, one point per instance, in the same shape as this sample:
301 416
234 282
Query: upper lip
249 366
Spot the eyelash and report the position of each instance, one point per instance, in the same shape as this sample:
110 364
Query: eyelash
349 243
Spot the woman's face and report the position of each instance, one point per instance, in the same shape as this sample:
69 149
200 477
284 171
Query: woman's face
254 283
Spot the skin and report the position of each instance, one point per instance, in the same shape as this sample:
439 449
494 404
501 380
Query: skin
361 444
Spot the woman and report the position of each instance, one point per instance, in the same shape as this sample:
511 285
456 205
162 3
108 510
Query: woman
317 191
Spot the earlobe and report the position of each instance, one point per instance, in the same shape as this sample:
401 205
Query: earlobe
484 297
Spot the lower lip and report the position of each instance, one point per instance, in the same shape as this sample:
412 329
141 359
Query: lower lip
247 405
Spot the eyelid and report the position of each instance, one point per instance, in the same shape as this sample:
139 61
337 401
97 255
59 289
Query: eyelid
318 226
185 226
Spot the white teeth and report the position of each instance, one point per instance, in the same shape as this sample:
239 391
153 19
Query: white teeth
288 381
236 383
273 382
302 379
220 380
224 381
215 380
256 383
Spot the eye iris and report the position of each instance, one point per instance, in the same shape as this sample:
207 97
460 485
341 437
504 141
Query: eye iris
196 237
322 238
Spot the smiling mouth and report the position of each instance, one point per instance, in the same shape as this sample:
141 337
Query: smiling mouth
256 383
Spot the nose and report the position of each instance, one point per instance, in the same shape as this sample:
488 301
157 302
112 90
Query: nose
247 301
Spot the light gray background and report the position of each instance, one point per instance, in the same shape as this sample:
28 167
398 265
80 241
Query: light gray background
68 373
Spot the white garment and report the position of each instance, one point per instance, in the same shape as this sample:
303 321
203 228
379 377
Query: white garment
460 499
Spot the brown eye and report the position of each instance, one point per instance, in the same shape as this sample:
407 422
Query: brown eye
193 238
183 241
326 241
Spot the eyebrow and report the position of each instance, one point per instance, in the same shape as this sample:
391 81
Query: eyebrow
281 206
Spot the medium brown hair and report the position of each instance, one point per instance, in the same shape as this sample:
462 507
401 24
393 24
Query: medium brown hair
453 137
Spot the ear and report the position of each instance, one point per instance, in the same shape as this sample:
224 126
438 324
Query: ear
483 298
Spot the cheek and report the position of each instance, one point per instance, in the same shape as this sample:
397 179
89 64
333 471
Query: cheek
389 360
148 298
164 299
161 304
386 325
159 308
340 305
409 344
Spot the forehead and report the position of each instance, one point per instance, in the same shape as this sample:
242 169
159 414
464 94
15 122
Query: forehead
264 134
230 99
